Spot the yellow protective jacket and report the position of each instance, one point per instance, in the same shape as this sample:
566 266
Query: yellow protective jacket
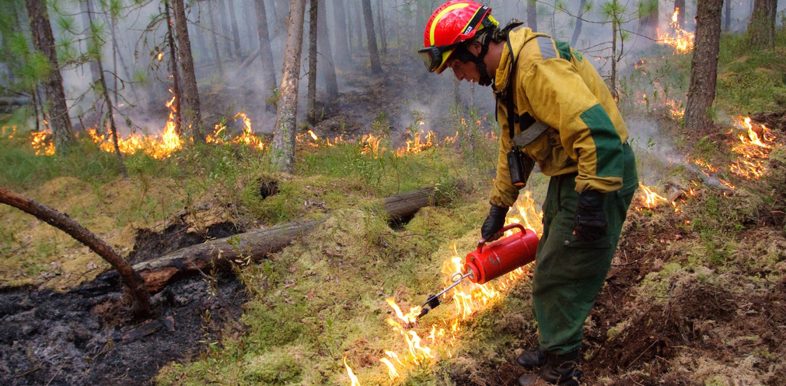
561 89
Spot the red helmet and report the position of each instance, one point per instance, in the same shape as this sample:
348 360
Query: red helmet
452 23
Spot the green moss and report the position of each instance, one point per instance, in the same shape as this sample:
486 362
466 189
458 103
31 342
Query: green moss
278 367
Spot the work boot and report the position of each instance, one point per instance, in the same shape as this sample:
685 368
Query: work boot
532 359
559 369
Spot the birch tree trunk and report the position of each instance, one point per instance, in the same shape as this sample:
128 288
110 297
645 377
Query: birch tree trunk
44 41
373 52
283 152
191 115
704 66
265 53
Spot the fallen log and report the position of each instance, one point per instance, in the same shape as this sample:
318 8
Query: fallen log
255 245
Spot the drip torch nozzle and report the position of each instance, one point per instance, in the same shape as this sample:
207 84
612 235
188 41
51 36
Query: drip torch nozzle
433 300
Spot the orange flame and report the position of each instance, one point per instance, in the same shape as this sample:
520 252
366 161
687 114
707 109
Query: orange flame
42 142
650 199
754 147
8 131
678 38
468 298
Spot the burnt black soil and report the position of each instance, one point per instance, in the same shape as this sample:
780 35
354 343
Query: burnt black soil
86 336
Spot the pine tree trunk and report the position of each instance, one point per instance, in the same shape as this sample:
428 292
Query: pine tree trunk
173 69
532 14
283 152
191 113
340 33
679 5
130 278
704 66
224 22
613 78
235 32
648 18
265 53
376 67
727 16
44 41
311 100
579 23
761 29
327 65
105 94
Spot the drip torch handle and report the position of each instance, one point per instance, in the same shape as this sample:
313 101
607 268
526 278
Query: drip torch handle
504 229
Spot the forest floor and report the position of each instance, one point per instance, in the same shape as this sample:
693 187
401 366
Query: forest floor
696 294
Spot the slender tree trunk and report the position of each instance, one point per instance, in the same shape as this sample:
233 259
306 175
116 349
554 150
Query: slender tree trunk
327 65
214 39
283 154
613 79
727 16
191 114
87 8
311 100
381 26
340 33
265 53
44 41
224 22
679 5
105 94
376 67
648 18
579 23
704 66
235 32
532 14
173 69
761 29
130 278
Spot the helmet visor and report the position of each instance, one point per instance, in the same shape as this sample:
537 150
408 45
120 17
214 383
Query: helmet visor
435 58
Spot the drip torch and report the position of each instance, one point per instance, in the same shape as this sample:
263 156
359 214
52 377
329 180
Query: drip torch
490 261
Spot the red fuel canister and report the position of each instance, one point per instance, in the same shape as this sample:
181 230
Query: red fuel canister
495 259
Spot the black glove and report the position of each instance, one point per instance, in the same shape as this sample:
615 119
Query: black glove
590 217
494 222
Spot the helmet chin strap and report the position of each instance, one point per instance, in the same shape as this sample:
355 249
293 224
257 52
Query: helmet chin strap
485 78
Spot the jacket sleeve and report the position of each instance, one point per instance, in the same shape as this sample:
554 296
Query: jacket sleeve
503 193
562 100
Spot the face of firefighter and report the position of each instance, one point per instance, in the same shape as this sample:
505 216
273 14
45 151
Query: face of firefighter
466 70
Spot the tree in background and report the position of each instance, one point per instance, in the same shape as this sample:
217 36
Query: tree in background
311 99
648 18
44 41
192 115
340 34
532 14
704 66
265 53
584 7
170 37
326 66
381 25
371 37
761 29
614 11
283 151
94 53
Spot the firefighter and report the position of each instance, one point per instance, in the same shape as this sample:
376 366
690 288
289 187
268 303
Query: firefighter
554 111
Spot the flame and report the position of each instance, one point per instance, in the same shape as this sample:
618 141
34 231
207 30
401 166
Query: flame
424 348
650 199
351 374
160 56
676 109
418 143
42 142
371 145
677 38
8 131
754 146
